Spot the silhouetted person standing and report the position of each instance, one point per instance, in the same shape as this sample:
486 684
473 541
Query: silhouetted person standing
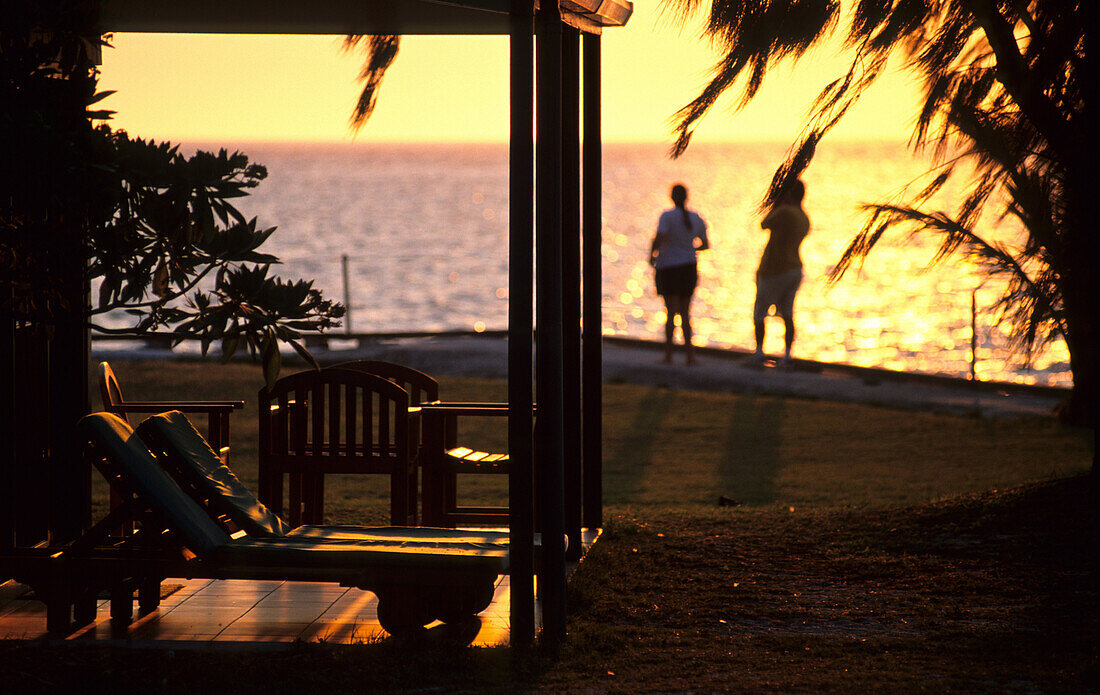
780 271
680 233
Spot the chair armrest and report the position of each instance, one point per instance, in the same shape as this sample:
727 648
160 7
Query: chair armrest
441 419
464 408
470 410
182 406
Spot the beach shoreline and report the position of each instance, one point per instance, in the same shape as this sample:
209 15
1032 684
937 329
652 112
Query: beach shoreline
638 362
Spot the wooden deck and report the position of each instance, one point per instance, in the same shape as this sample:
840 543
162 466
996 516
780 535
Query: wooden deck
205 613
212 613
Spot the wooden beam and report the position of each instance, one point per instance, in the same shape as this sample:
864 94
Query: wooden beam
592 339
313 17
548 316
521 184
439 17
571 282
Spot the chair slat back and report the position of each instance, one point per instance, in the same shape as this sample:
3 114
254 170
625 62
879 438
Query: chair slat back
109 392
337 420
217 412
329 421
420 387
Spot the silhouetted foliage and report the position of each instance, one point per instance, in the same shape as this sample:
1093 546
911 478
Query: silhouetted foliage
379 53
158 230
177 254
1004 86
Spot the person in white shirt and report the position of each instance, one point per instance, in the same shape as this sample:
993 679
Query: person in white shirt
680 233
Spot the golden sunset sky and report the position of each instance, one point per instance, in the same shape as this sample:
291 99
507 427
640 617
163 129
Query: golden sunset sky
452 89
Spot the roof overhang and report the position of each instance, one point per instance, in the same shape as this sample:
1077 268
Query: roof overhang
341 16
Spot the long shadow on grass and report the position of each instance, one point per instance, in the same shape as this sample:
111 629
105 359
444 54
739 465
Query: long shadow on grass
624 470
751 458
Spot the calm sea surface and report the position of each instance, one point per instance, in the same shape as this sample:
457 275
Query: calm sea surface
425 231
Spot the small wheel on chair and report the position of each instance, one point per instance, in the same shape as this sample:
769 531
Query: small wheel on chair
462 603
85 609
402 612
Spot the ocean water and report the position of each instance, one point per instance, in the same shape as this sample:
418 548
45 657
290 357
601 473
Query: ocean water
424 230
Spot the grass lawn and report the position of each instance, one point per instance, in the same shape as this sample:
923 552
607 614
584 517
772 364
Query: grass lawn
668 449
870 550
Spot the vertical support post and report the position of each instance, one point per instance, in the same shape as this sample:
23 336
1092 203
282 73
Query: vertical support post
571 282
521 184
69 352
70 495
347 293
30 432
974 335
548 318
45 349
7 426
592 223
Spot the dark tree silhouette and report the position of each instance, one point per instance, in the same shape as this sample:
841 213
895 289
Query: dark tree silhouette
156 229
1005 88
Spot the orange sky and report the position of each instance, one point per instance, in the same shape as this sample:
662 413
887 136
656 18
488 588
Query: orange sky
246 88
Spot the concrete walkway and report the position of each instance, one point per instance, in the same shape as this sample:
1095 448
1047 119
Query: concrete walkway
638 362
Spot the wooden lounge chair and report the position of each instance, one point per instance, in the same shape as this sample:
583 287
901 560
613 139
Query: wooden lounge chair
188 458
217 412
416 579
320 422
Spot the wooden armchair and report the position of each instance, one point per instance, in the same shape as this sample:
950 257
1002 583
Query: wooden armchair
443 460
333 421
217 412
439 455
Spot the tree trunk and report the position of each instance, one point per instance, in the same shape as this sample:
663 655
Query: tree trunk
1080 291
1081 408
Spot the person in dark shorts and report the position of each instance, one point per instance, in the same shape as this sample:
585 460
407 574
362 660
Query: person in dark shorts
680 233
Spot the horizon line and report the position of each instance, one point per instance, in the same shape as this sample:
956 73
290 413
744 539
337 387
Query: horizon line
497 142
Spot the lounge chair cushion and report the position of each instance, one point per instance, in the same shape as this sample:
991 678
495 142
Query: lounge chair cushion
402 534
404 537
200 467
117 441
